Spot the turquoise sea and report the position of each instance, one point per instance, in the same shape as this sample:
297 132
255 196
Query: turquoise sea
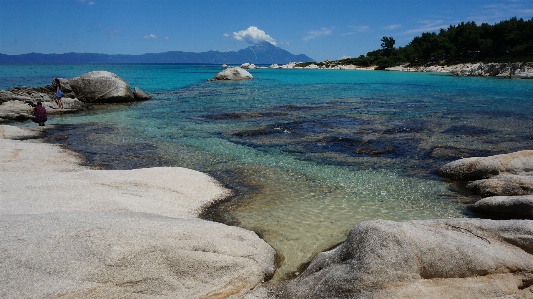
309 153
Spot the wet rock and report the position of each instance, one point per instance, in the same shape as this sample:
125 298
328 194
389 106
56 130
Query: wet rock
466 258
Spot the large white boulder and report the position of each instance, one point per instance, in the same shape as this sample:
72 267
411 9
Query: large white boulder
233 73
248 66
101 87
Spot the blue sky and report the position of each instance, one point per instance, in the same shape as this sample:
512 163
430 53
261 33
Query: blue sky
321 29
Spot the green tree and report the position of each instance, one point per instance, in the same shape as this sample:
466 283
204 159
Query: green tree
387 45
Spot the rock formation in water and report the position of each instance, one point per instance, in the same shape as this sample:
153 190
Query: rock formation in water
506 180
233 74
101 87
93 87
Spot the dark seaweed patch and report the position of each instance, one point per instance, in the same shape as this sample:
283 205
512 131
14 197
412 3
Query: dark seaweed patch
242 115
339 144
468 130
411 126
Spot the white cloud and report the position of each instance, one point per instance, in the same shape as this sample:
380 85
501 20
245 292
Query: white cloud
494 13
150 36
316 33
427 26
225 35
253 35
392 27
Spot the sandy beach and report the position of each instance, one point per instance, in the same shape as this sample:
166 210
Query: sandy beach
69 231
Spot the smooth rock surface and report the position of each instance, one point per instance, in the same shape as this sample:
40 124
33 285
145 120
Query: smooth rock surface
233 73
101 87
505 184
515 206
453 258
72 232
506 179
476 168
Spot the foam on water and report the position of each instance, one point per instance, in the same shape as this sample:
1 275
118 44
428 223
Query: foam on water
310 152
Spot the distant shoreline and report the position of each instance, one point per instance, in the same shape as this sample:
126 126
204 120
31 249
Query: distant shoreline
521 70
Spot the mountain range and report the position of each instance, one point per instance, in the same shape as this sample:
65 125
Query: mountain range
261 53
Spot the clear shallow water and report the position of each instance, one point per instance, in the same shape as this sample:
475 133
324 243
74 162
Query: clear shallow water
309 152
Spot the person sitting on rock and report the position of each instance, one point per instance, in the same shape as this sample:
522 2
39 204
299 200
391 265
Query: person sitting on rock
39 113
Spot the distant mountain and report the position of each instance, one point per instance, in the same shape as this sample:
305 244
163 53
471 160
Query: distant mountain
262 53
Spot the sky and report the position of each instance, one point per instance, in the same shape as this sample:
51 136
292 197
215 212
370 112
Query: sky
320 29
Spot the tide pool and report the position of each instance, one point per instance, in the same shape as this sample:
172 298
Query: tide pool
309 153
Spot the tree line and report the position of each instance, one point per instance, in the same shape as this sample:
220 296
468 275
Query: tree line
506 41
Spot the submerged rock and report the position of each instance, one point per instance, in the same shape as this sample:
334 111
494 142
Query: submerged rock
463 258
233 73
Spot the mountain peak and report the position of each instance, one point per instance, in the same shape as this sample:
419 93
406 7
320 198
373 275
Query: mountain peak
267 53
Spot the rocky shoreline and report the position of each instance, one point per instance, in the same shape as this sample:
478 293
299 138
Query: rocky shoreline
78 94
73 232
136 234
520 70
